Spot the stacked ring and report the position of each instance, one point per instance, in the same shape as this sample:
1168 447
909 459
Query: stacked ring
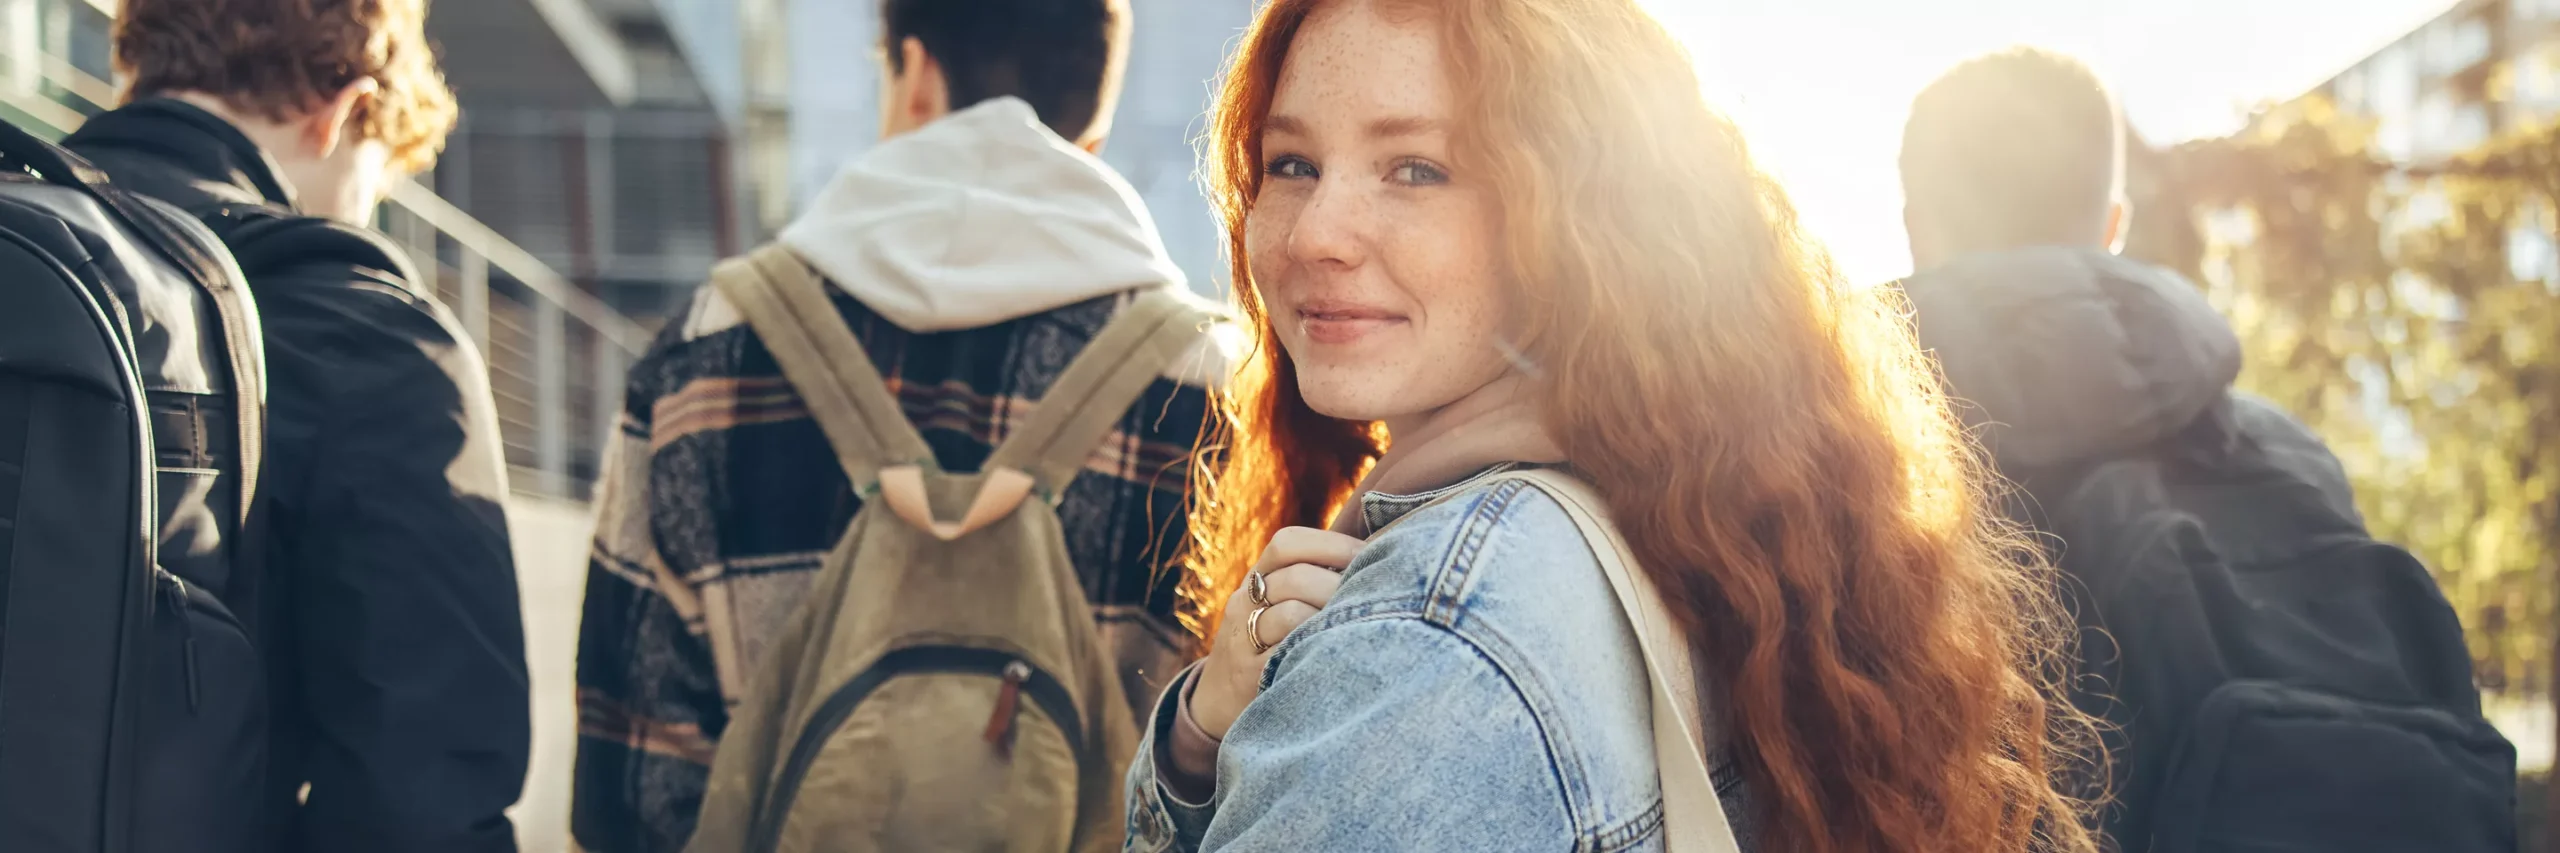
1258 588
1253 629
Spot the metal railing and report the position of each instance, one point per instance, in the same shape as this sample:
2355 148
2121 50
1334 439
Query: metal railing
556 353
637 199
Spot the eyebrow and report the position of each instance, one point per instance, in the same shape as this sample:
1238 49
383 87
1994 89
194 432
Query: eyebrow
1385 128
1396 126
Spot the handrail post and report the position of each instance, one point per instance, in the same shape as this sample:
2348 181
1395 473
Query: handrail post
601 215
551 397
421 239
606 384
475 297
18 22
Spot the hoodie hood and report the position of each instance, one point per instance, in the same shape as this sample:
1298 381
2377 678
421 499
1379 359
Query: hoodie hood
2066 354
982 216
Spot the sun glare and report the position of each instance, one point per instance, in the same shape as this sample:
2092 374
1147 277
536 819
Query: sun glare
1821 86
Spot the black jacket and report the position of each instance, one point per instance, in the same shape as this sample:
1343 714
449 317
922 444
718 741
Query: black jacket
2067 360
390 611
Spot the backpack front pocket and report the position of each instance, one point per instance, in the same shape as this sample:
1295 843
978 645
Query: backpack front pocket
204 728
928 743
2269 768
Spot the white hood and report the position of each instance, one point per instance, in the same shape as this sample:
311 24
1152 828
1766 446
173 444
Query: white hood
980 217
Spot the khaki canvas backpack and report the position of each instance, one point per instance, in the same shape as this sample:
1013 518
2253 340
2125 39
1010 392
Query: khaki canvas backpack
943 687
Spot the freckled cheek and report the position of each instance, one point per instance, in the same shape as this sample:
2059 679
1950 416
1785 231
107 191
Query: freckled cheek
1266 258
1444 263
1266 240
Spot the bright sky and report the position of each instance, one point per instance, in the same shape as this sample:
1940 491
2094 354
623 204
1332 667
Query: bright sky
1821 86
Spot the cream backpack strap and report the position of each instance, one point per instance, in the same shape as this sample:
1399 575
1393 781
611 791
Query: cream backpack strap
787 305
883 456
1095 392
1693 817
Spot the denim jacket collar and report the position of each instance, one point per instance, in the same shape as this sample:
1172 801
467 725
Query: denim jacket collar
1379 509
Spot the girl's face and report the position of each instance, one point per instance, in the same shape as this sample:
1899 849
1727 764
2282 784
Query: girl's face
1372 250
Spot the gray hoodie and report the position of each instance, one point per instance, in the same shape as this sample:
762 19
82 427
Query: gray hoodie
980 217
983 216
2066 355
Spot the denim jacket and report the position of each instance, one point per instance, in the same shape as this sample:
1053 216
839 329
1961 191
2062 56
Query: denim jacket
1472 686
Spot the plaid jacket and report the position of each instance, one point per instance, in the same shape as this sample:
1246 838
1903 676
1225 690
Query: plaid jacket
719 476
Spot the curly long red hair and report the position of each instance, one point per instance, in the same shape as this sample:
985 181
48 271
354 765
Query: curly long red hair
1769 437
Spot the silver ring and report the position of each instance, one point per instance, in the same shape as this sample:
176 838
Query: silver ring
1253 629
1257 588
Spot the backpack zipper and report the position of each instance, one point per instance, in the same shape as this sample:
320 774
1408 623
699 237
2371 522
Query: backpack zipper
1000 723
1045 690
177 592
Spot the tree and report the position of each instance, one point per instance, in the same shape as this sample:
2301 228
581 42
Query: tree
2410 316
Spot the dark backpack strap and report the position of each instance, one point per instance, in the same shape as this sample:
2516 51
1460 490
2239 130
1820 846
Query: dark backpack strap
58 166
266 238
211 269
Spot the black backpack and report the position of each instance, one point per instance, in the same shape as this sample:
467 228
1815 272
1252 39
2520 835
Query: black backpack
132 699
2274 679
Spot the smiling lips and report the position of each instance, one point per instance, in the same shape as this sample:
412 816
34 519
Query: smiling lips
1343 323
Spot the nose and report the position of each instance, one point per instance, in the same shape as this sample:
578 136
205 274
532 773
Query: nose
1332 229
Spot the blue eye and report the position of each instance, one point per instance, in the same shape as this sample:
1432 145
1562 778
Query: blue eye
1290 166
1418 173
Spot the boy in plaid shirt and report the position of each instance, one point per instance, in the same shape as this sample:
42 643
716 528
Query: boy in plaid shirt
973 254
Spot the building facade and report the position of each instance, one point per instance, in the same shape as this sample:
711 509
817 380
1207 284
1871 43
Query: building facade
618 140
2442 88
688 130
2481 69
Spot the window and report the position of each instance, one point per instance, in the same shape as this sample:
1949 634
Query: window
2393 81
2393 137
2469 127
2465 44
2434 46
2434 126
2351 90
2531 255
2426 207
2537 74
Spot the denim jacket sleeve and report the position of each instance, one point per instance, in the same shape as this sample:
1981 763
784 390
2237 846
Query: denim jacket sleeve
1355 710
1472 686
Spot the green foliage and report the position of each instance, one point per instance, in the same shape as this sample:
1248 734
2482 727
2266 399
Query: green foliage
2379 303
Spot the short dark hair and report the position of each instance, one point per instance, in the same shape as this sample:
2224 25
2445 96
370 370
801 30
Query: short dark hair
2017 148
1063 57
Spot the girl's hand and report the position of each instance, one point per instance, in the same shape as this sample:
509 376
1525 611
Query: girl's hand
1299 572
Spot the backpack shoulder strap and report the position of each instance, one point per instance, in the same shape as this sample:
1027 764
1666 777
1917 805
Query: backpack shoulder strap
212 270
1693 817
1098 387
264 237
786 304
